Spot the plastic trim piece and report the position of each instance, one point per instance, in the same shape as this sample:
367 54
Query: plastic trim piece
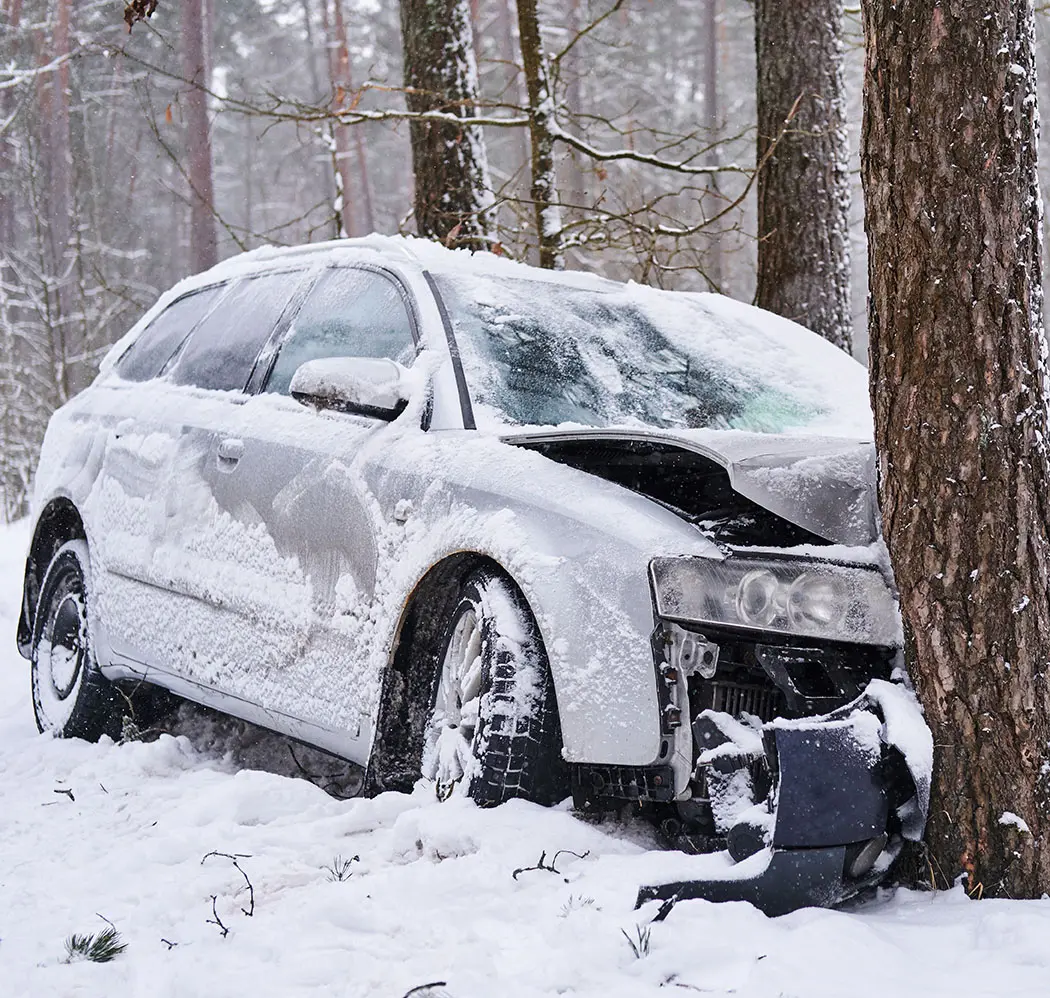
453 349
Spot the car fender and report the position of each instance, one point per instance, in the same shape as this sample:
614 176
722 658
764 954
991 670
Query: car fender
577 546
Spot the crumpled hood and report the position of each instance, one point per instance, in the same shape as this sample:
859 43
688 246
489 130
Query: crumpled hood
825 485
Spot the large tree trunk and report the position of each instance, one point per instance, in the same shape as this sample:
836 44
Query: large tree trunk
949 163
545 198
803 188
453 190
203 247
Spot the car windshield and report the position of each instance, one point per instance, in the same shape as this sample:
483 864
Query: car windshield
540 353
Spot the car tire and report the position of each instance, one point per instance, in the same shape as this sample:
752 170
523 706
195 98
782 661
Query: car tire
71 698
493 730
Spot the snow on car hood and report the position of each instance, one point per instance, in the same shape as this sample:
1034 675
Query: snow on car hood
825 485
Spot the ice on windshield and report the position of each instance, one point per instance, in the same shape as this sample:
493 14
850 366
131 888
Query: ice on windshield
539 353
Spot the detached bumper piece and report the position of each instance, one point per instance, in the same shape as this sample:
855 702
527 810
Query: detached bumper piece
841 799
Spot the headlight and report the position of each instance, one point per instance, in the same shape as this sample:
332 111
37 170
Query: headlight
805 598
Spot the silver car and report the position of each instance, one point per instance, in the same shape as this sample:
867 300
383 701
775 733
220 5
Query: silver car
518 533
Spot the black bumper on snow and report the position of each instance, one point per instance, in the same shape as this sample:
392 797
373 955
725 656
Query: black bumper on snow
837 792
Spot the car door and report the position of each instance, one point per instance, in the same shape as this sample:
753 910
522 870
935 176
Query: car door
296 480
140 427
201 571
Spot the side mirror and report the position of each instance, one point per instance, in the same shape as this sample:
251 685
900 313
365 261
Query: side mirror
363 385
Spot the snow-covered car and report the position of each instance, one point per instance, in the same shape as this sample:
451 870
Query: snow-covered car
519 533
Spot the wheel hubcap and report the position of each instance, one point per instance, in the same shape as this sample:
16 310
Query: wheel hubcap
66 647
448 754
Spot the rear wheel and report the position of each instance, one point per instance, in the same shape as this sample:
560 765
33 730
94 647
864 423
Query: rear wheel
493 731
71 698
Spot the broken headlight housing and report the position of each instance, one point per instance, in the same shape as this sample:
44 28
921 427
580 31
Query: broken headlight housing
793 596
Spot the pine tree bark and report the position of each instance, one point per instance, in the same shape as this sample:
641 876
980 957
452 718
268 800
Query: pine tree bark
958 384
453 190
545 199
803 188
195 71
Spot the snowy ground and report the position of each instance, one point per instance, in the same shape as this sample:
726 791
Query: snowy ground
430 896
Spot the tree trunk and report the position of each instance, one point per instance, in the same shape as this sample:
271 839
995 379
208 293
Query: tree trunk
949 164
453 190
803 189
203 247
340 68
12 12
541 112
712 127
508 22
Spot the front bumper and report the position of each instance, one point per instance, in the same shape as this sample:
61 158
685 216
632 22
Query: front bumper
847 789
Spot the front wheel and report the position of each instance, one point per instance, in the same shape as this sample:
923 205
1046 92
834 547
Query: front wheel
71 698
493 730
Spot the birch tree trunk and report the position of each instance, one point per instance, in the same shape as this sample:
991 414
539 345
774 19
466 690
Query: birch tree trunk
453 191
541 114
803 189
958 384
203 246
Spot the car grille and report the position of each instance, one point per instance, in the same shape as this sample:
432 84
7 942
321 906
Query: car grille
745 698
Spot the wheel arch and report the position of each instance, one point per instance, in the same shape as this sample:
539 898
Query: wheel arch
409 678
59 522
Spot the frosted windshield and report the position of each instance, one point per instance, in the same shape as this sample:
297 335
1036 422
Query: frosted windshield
543 353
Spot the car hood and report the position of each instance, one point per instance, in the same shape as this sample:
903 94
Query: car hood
825 485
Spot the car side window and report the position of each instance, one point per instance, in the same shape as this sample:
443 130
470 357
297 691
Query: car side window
146 357
220 353
349 313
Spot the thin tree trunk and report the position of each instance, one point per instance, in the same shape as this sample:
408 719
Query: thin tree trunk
803 191
203 246
340 64
949 165
541 111
453 191
574 70
346 86
12 12
325 171
508 17
712 126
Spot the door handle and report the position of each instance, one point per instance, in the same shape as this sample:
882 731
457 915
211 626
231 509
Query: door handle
230 450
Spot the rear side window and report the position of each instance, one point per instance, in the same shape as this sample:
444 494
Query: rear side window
349 313
223 348
149 353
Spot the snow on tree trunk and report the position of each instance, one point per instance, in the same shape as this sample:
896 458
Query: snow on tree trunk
949 164
339 68
203 247
453 190
803 189
541 113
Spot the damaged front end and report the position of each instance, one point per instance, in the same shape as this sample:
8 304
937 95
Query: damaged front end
791 749
786 745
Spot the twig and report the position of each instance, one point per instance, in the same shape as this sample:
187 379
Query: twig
216 920
550 867
169 944
424 987
233 857
68 793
